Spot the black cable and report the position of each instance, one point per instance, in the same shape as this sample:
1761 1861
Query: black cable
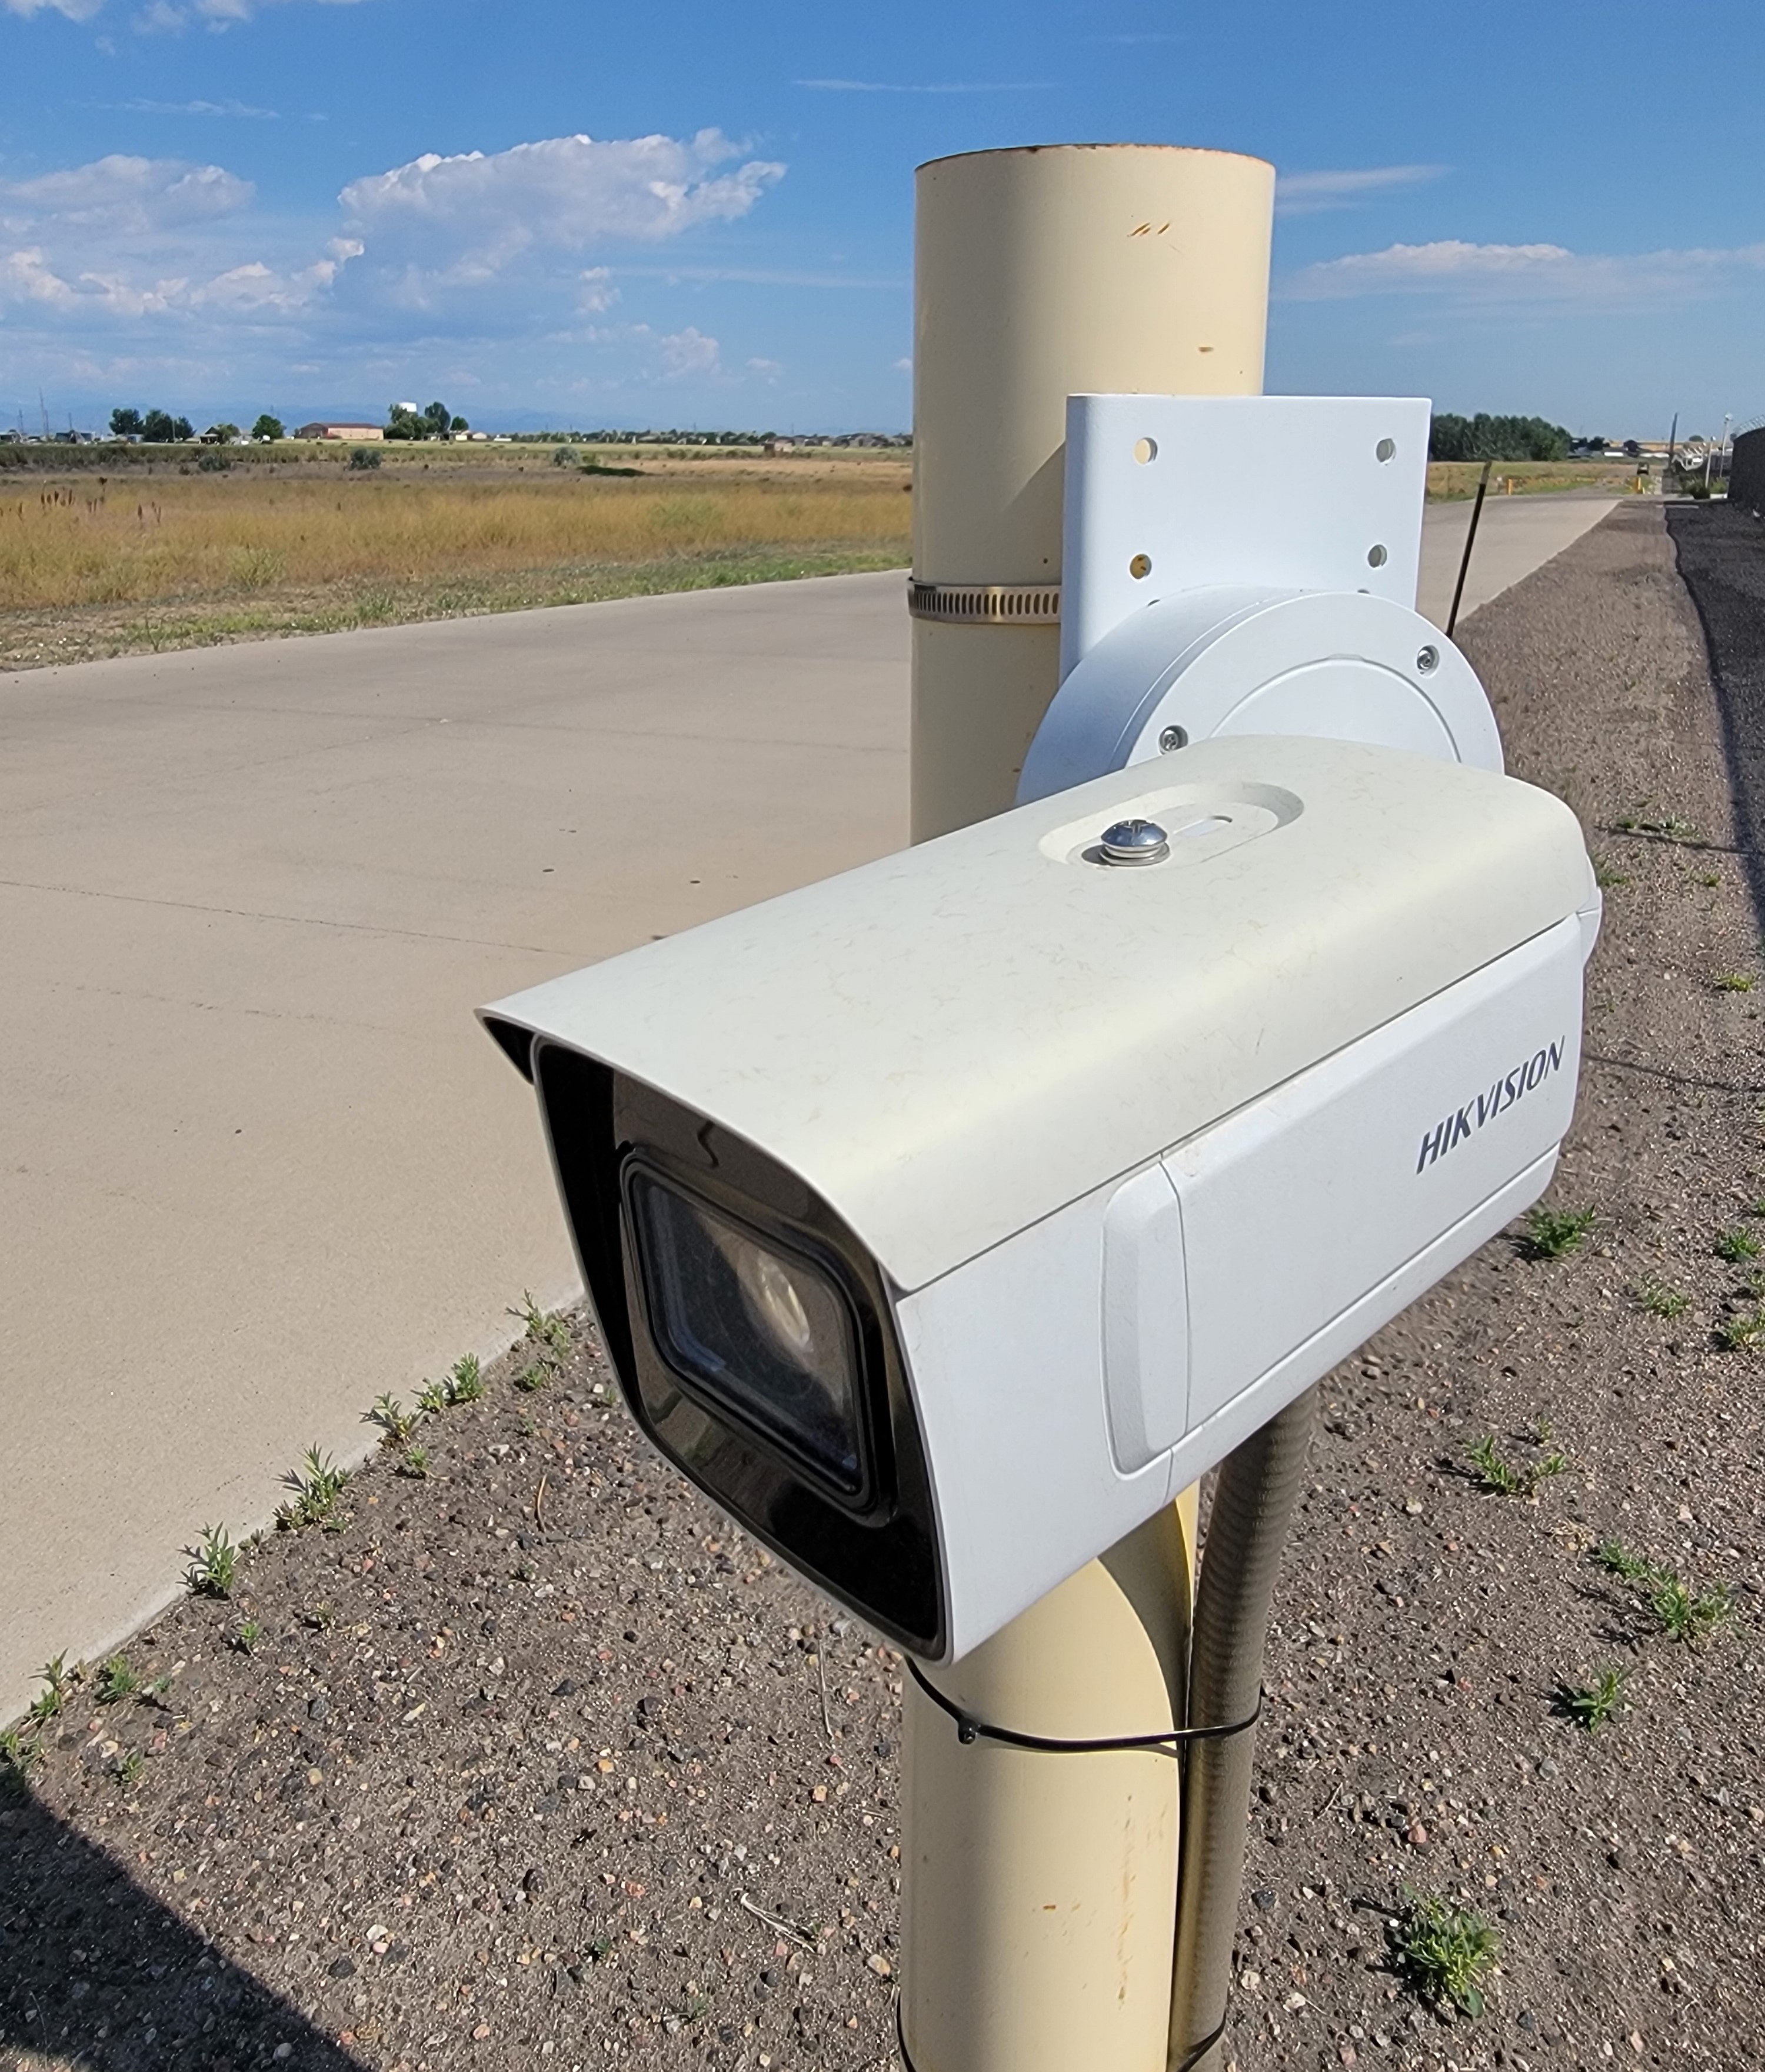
1170 1742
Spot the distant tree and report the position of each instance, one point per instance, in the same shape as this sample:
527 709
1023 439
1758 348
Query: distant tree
160 427
438 418
182 428
222 434
1486 437
402 423
126 423
268 427
459 424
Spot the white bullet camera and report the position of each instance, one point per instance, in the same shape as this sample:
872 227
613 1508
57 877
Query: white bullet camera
942 1219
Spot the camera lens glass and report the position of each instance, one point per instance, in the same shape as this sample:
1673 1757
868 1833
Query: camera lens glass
754 1326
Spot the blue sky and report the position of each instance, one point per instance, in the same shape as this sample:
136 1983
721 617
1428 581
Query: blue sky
703 214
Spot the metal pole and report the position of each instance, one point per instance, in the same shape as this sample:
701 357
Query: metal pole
1038 1890
1471 540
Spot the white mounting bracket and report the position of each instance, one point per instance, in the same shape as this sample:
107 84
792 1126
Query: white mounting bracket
1247 564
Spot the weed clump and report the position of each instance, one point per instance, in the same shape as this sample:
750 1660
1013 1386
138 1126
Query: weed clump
317 1484
1555 1233
1447 1953
214 1562
1501 1477
1591 1705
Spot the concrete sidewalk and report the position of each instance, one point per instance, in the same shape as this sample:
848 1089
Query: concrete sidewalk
260 1163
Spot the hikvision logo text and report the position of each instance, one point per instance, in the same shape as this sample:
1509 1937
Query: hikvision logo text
1452 1130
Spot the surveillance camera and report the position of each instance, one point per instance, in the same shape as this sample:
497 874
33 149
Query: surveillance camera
943 1218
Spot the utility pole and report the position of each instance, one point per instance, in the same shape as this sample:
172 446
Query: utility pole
1039 1890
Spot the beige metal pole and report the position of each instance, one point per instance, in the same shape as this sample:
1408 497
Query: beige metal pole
1040 1889
1040 274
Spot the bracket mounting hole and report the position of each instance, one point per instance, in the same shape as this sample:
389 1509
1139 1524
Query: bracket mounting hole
1376 557
1171 739
1385 450
1141 566
1145 450
1427 660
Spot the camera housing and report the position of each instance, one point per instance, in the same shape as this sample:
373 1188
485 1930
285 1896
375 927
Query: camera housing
943 1218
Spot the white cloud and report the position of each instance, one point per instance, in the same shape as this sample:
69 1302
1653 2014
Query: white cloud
1520 273
904 367
75 10
125 196
688 351
165 17
597 292
768 370
236 108
484 209
1307 194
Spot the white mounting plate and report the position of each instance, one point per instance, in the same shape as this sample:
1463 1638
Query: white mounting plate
1281 492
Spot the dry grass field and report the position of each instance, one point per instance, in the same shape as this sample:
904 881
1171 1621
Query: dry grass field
98 562
1448 479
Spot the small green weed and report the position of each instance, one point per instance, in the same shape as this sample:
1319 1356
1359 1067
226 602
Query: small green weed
1554 1233
1745 1328
128 1768
538 1375
246 1636
395 1421
1617 1559
1709 878
432 1398
58 1683
1670 827
598 1948
549 1331
465 1380
1591 1705
1734 981
1682 1614
1503 1478
1606 878
321 1617
1737 1243
413 1462
18 1757
117 1680
214 1562
1659 1299
1686 1615
317 1483
1446 1952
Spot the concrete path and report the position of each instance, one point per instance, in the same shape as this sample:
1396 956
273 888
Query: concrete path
1517 534
259 1164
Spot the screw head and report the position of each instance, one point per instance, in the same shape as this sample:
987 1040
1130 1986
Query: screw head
1427 660
1140 567
1135 841
1171 739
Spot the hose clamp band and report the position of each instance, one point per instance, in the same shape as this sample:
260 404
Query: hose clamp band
1172 1741
985 604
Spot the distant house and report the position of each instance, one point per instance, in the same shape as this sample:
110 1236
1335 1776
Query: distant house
329 431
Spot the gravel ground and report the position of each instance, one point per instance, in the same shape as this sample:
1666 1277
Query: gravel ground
533 1758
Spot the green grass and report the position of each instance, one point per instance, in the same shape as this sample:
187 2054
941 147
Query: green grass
1745 1328
1501 1477
1682 1614
1669 827
1737 1243
1653 1294
413 1463
1734 981
214 1562
317 1484
1555 1233
1446 1952
246 1636
1591 1705
117 1680
19 1756
395 1421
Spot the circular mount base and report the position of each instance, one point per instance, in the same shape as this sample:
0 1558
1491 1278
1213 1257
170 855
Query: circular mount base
1342 666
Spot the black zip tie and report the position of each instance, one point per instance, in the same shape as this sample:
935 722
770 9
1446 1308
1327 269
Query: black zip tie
1170 1742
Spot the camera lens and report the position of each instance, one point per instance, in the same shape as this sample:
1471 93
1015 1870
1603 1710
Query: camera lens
757 1329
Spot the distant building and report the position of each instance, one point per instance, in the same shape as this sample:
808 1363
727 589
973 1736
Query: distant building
330 431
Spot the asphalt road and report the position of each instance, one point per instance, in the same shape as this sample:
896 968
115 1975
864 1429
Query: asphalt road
259 1163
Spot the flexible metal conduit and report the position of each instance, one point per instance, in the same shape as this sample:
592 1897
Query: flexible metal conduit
1252 1504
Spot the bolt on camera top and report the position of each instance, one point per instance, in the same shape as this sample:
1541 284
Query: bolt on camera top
1134 841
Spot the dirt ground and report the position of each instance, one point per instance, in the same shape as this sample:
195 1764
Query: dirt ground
533 1759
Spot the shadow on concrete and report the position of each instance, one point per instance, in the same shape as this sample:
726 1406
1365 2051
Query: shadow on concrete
95 1972
1720 548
